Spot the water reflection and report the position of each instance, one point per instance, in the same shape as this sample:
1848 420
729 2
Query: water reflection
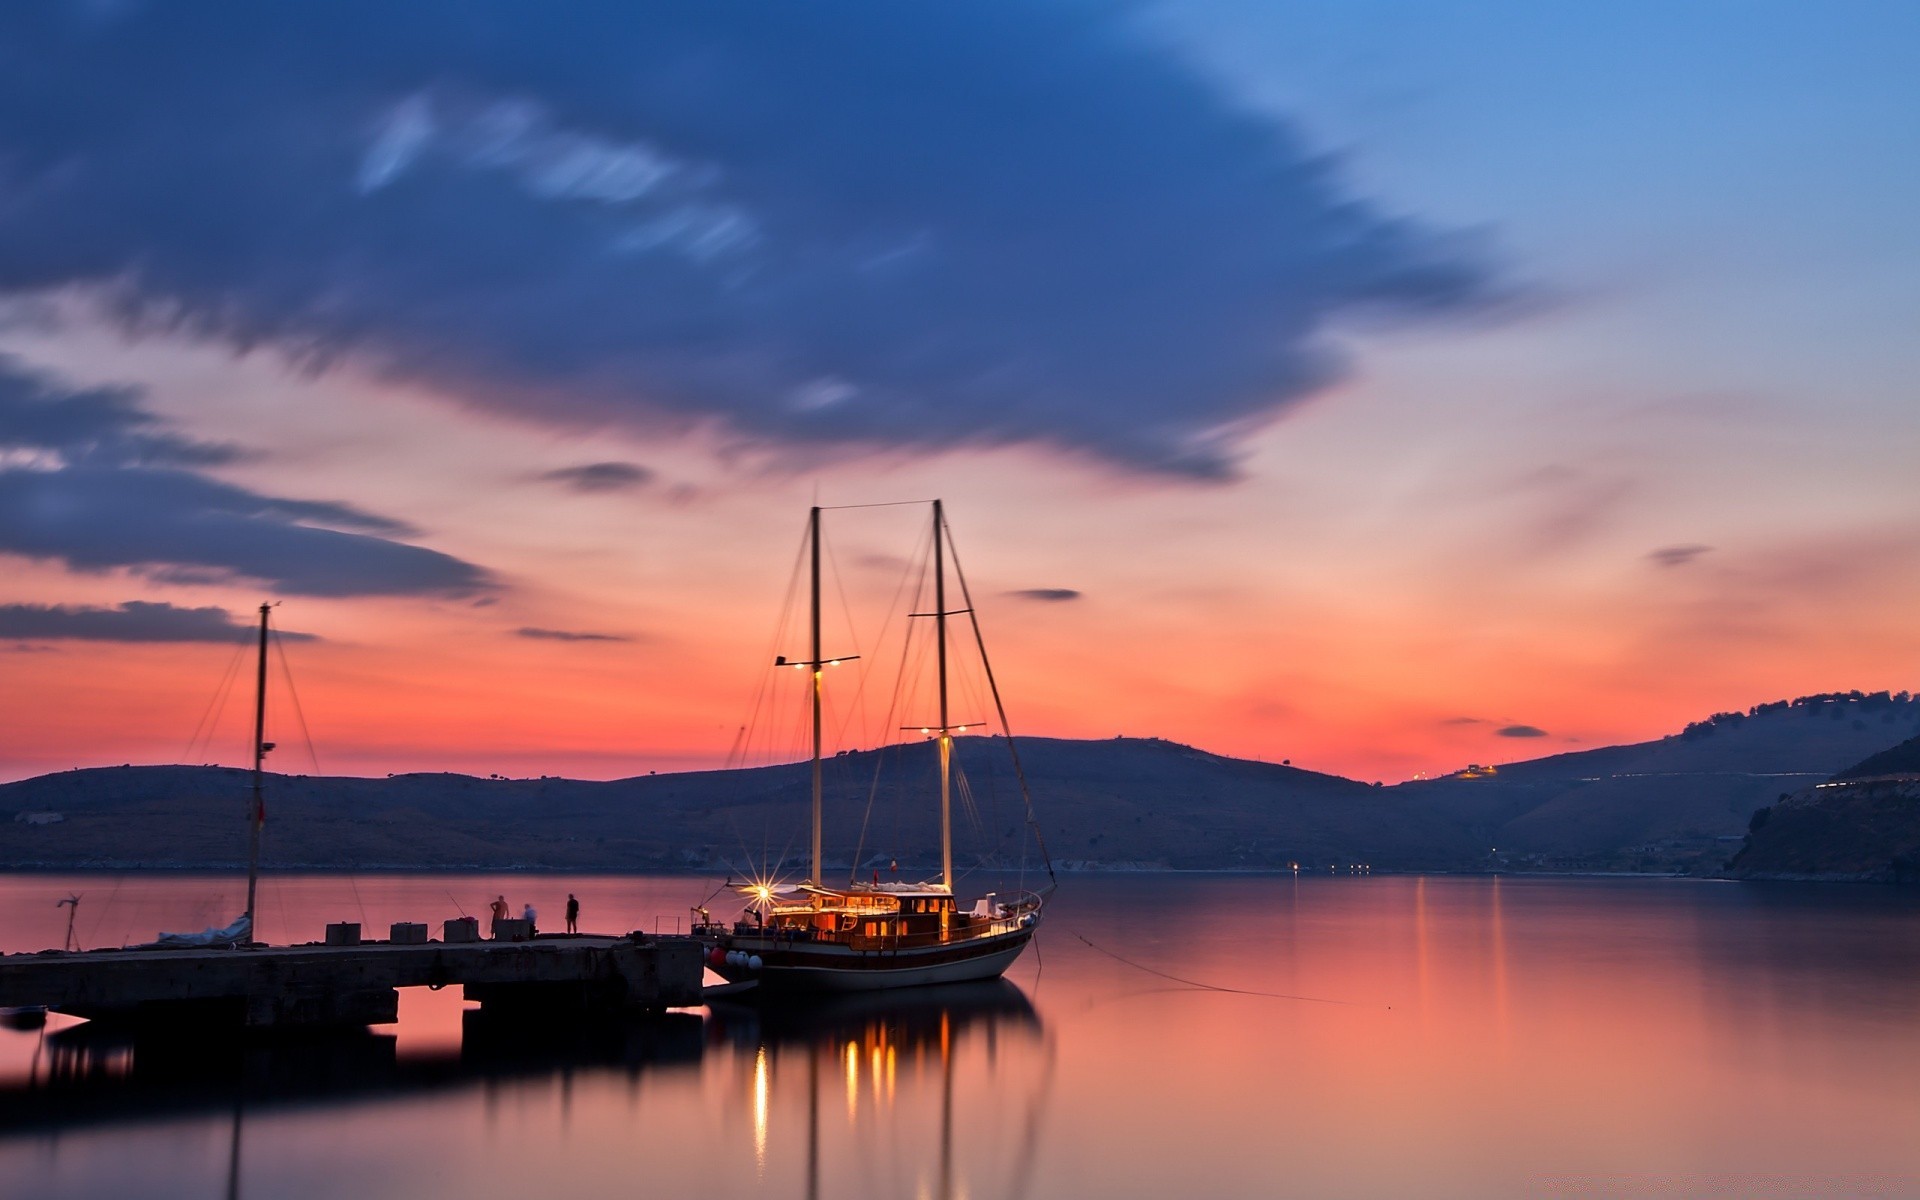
89 1074
857 1088
901 1057
1484 1039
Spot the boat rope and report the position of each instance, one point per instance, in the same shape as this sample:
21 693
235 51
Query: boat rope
293 693
913 572
1000 708
201 739
1214 987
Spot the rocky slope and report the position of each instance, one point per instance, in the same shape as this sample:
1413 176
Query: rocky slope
1863 824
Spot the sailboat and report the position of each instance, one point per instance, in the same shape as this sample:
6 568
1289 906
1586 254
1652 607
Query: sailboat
241 931
866 936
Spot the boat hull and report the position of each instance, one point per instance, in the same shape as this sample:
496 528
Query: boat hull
833 968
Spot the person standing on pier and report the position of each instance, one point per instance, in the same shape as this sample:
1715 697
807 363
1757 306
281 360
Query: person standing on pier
529 916
573 913
499 913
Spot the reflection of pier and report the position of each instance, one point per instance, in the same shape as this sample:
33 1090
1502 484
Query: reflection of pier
320 986
90 1074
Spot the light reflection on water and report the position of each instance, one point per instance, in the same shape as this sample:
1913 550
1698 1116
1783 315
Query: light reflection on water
1449 1037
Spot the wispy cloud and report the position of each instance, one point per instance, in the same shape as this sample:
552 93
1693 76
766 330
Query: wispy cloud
601 477
1050 231
1521 731
569 635
1050 595
1677 556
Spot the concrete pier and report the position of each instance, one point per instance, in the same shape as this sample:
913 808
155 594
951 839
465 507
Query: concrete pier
320 986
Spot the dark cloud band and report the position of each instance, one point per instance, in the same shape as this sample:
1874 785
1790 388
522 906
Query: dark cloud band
1046 231
133 621
112 487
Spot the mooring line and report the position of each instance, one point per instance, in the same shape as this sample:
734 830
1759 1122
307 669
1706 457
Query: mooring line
1214 987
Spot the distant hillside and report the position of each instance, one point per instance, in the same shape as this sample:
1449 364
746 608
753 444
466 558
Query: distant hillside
1868 830
1862 824
1127 801
1682 802
1903 759
1679 803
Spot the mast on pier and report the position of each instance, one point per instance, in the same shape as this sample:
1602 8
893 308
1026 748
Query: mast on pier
259 773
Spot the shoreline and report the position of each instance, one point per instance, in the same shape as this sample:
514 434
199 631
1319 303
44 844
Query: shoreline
533 870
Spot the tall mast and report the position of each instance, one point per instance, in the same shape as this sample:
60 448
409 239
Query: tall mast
259 771
813 532
946 734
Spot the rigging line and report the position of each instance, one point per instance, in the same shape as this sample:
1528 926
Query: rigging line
724 885
877 504
894 705
973 618
286 672
1214 987
767 679
857 710
210 717
93 933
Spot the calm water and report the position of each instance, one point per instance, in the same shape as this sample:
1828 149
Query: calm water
1424 1037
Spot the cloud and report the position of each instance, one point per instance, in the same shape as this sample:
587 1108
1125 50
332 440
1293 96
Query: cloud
1052 595
89 479
48 424
601 477
1520 731
1464 721
1677 556
133 621
1047 230
568 635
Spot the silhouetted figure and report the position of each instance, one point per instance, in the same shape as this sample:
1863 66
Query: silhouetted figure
573 913
499 913
529 916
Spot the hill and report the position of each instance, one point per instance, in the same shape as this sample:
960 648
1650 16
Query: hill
1866 830
1679 803
1903 759
1863 824
1127 801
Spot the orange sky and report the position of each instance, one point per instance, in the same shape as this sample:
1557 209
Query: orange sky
1382 593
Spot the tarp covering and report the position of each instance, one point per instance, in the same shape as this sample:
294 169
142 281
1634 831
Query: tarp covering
240 931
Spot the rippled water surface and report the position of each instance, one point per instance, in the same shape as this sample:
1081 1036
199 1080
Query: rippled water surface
1388 1037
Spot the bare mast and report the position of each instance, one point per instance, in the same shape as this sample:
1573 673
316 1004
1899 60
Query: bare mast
813 658
259 771
946 733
